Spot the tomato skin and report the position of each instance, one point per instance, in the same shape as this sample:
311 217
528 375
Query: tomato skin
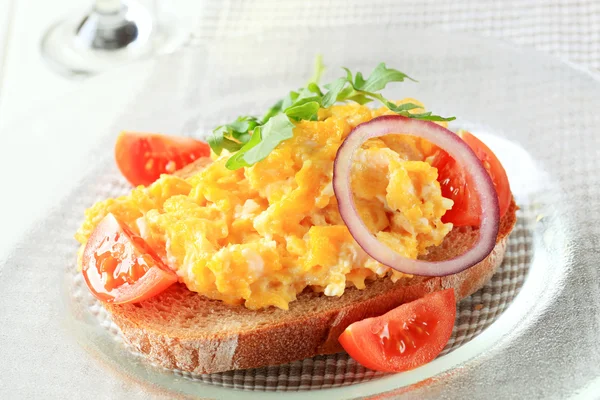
406 337
143 157
119 267
494 168
455 185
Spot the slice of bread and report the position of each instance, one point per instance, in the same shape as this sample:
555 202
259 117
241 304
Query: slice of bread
183 330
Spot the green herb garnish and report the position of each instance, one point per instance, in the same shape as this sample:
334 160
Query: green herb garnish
252 138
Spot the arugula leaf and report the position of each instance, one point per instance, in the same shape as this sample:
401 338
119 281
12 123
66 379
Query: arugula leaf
428 117
305 96
334 91
401 107
278 129
361 90
274 110
313 87
243 124
264 139
215 141
252 139
359 98
237 160
348 74
379 78
391 105
350 94
289 100
318 71
307 111
231 145
219 142
232 136
303 104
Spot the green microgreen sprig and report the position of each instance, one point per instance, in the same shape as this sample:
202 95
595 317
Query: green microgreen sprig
252 139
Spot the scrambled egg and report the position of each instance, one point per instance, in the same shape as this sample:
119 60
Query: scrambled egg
258 236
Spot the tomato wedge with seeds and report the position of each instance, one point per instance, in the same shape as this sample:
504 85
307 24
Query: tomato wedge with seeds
119 266
143 157
405 338
455 186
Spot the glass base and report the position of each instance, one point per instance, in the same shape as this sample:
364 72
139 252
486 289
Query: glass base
84 46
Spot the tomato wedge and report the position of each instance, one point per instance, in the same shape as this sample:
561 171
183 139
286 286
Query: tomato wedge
406 337
143 157
454 183
119 266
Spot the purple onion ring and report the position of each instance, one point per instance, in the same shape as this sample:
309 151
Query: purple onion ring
464 156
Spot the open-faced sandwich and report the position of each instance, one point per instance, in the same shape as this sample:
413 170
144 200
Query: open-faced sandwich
324 225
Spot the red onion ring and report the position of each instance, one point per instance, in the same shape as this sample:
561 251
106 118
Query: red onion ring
460 151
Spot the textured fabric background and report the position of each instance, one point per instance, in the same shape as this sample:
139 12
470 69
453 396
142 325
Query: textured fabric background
569 29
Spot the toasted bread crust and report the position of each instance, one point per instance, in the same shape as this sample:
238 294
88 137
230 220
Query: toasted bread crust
177 328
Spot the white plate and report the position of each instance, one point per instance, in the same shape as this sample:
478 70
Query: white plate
538 114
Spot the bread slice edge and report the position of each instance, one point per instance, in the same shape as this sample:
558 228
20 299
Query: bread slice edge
295 334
